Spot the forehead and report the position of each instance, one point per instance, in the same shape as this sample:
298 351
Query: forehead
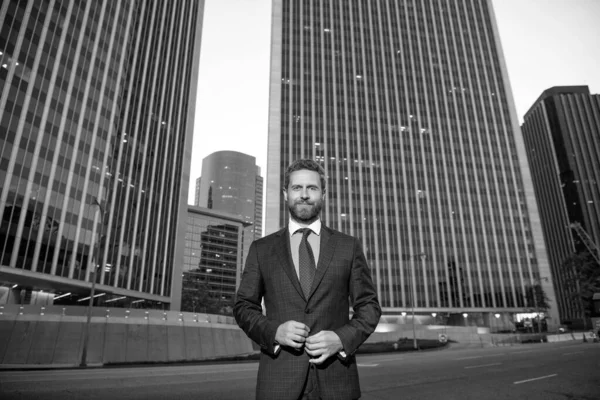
305 177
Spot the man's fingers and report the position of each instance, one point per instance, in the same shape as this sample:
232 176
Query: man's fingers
293 343
314 345
300 332
298 338
315 352
292 333
319 360
299 325
314 338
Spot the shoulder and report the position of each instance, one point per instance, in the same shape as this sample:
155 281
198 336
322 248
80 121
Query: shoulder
337 235
275 236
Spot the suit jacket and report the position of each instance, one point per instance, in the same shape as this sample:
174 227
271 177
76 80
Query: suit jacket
342 279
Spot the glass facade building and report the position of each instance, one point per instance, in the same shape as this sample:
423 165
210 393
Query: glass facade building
213 254
408 107
96 125
561 131
231 182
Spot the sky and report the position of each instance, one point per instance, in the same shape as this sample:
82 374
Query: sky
546 43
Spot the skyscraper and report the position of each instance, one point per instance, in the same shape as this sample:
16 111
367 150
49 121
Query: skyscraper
231 182
197 191
408 107
561 131
212 258
96 116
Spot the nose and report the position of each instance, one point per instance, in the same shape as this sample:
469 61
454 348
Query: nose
304 193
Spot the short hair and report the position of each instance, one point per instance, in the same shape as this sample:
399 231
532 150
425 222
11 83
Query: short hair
308 164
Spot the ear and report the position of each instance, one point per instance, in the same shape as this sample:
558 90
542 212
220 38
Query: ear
284 195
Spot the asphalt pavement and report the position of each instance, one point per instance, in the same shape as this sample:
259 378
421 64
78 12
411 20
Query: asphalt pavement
565 370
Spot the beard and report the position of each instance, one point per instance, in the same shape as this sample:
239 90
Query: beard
304 211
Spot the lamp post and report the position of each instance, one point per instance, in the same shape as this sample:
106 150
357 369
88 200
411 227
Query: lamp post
412 306
412 295
95 258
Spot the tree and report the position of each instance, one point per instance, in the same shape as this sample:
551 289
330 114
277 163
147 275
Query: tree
196 297
537 298
583 280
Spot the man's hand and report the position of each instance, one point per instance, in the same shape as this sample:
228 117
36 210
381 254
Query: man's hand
323 345
292 334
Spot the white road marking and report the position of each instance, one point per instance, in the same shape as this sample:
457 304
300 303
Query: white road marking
534 379
367 365
76 375
391 359
575 352
483 365
469 358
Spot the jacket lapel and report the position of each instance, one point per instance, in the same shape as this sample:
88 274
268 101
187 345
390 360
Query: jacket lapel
326 251
284 255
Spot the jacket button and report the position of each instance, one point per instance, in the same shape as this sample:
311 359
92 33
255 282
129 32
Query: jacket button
308 311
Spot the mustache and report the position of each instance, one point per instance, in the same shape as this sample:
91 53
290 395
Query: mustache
304 202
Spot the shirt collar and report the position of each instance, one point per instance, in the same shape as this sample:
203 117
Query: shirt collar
293 226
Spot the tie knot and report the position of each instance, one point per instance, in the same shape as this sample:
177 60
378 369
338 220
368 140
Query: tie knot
305 232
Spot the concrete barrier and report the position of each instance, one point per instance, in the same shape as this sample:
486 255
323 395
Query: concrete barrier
19 339
115 346
97 342
193 349
55 337
207 344
137 342
43 342
157 349
69 335
175 343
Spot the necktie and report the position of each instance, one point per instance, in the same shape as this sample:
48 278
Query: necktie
307 266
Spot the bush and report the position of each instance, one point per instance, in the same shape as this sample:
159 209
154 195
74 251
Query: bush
402 344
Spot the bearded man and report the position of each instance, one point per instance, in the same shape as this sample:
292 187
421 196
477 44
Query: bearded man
308 276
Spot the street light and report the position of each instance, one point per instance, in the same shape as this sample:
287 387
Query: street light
412 296
95 258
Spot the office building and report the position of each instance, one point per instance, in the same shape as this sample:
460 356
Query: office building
96 121
212 260
408 107
197 192
231 182
561 131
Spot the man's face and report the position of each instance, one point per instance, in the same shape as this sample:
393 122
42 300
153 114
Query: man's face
304 196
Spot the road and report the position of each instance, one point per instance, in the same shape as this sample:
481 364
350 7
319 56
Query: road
567 370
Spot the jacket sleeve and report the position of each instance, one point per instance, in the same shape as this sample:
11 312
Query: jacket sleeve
248 305
363 299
